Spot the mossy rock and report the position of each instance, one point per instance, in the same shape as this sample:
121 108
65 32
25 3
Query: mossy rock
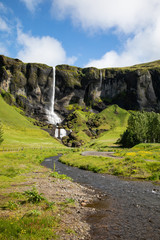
8 97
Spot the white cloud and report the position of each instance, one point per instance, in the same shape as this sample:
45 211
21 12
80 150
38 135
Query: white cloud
31 4
44 49
143 47
4 26
126 16
137 20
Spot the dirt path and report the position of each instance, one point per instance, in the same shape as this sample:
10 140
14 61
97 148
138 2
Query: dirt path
103 154
73 216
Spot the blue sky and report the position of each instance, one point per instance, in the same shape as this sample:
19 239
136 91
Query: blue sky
99 33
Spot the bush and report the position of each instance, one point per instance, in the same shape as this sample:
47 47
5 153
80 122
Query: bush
143 127
33 196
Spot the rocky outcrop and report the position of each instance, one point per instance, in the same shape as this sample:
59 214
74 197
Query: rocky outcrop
30 84
137 87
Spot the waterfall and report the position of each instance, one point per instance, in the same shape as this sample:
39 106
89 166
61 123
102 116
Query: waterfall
101 78
60 133
53 118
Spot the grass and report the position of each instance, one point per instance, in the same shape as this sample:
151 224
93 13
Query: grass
60 176
115 122
141 162
15 165
98 130
33 226
21 133
27 214
155 65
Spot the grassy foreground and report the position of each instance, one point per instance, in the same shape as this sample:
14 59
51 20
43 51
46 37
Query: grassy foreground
26 215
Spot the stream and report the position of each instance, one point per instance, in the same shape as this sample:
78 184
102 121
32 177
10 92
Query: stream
128 210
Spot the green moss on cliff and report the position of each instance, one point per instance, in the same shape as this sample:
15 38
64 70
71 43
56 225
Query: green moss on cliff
71 75
99 129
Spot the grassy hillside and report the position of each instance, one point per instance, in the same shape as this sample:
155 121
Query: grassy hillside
19 132
98 130
115 122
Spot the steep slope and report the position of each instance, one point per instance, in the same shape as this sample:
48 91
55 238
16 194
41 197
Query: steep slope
96 130
19 132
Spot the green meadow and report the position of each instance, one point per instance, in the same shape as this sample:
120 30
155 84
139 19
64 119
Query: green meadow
139 162
19 132
25 146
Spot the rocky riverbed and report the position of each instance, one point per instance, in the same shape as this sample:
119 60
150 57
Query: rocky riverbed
128 210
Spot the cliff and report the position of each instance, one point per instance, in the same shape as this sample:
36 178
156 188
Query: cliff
136 87
30 84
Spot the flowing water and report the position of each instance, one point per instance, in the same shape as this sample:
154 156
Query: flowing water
128 210
53 118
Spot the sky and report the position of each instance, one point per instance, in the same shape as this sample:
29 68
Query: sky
83 33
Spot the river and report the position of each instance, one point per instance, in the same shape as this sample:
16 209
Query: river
128 210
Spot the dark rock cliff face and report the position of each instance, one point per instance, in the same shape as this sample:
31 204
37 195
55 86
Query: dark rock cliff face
31 85
136 89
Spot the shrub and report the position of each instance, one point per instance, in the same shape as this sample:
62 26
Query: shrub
143 127
34 196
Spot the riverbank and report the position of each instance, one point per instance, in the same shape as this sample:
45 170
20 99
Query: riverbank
140 162
128 210
61 211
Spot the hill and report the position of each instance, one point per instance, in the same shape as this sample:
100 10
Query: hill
20 132
95 129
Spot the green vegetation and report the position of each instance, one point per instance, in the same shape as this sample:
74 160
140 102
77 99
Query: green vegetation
30 226
72 75
33 196
155 65
16 165
60 176
18 132
96 130
141 161
143 127
31 215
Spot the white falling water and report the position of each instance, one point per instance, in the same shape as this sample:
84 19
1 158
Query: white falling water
60 133
53 118
100 85
63 132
